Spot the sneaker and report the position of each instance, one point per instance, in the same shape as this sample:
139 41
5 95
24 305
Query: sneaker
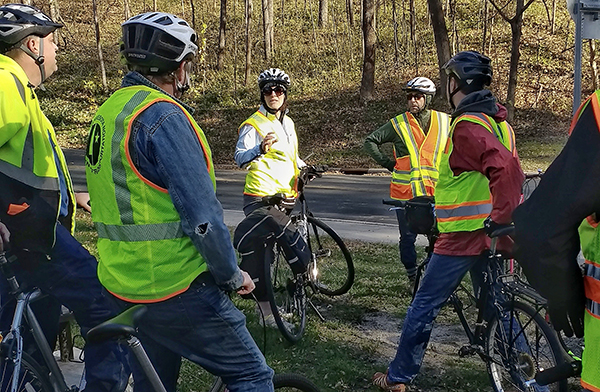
269 322
380 380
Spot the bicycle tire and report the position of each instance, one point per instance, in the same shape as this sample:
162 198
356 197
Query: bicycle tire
332 269
508 372
293 382
287 382
286 293
32 377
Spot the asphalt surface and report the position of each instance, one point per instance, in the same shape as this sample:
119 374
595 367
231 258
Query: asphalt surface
350 204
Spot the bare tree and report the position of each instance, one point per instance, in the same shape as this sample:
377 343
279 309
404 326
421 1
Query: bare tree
323 17
413 32
516 25
593 64
440 33
267 11
349 12
98 45
193 14
484 18
154 6
367 84
222 27
395 22
248 41
126 9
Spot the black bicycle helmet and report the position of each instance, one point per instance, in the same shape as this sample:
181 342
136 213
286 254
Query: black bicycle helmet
18 21
157 42
470 68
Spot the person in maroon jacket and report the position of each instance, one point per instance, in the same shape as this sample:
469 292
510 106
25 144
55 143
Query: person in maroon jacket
478 122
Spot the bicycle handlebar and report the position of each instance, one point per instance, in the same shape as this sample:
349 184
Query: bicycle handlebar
404 203
557 373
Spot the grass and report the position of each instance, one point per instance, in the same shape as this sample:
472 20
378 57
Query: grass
342 353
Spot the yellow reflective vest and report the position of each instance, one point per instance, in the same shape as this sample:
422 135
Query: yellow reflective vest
27 153
277 170
416 174
463 202
144 254
590 246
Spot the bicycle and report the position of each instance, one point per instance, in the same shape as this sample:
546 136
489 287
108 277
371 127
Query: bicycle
19 372
330 271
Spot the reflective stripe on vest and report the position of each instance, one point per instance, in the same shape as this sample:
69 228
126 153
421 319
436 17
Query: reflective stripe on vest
277 170
590 247
417 173
463 202
144 254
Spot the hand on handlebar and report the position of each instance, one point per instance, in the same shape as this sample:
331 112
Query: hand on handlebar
490 226
247 285
4 236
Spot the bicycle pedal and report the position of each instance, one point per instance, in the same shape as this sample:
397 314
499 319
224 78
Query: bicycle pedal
466 351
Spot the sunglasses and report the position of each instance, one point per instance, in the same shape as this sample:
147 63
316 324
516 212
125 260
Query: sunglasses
278 90
414 96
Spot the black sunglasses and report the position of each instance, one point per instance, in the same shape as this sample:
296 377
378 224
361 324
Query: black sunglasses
414 95
278 90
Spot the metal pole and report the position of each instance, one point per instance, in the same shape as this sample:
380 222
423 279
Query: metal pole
577 66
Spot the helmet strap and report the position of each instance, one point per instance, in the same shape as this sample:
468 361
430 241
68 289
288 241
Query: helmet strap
39 60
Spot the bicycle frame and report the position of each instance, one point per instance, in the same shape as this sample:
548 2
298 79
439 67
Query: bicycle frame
14 337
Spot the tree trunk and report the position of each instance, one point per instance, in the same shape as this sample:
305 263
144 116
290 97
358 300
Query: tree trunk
349 12
442 43
395 22
516 28
413 33
126 9
367 84
248 41
154 5
322 13
193 14
267 11
485 26
98 46
593 64
222 27
55 16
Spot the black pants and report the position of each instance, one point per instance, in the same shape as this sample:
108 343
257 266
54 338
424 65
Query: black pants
253 237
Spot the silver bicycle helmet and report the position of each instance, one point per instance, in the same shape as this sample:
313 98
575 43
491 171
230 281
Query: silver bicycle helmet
18 21
273 76
157 42
422 85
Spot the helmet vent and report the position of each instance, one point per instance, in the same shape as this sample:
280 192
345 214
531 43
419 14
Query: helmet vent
164 21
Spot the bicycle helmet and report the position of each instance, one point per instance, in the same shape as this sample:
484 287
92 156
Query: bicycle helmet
18 21
273 76
422 85
157 42
470 68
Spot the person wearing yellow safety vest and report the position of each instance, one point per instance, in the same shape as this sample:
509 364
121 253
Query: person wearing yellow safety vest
267 147
37 202
161 236
561 217
479 181
418 136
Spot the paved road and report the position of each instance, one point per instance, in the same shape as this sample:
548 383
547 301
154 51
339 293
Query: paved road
351 204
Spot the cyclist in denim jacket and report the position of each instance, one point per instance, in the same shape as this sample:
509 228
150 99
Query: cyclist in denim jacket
162 240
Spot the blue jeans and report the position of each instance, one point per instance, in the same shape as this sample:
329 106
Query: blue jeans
406 244
442 276
204 326
70 277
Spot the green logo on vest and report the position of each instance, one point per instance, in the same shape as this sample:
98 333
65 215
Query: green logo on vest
95 147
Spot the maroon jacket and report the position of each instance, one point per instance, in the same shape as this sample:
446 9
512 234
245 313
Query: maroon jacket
476 149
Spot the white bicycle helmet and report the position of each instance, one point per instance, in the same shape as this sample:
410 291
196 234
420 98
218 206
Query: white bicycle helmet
274 76
157 42
18 21
421 84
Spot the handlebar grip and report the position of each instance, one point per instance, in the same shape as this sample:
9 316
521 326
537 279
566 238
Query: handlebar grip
557 373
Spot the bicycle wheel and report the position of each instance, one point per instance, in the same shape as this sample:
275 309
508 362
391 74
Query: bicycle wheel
32 377
286 293
293 382
331 270
516 356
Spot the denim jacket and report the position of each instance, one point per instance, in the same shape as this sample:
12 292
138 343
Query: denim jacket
166 151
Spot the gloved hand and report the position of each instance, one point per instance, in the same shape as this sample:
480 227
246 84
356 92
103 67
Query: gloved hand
566 303
490 226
